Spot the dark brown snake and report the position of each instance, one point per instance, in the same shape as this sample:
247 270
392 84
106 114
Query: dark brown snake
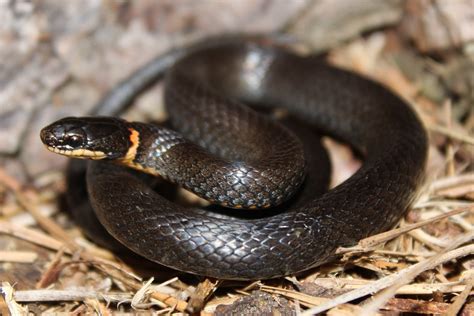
229 154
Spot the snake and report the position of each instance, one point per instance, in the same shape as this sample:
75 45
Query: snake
224 150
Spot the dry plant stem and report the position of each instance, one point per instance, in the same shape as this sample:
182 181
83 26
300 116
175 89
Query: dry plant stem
202 293
406 275
422 307
132 281
18 256
46 223
427 240
8 295
454 135
304 299
165 298
140 296
409 289
454 308
367 243
171 301
52 272
98 307
81 310
31 235
40 239
436 204
448 182
76 294
404 253
3 306
55 230
450 168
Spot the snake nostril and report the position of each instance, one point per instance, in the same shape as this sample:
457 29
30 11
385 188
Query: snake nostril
47 137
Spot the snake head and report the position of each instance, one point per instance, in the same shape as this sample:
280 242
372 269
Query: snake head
88 137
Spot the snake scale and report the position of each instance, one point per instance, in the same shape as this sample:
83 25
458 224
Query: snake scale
231 155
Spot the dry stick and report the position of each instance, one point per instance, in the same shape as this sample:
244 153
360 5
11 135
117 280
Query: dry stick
409 289
202 293
55 230
450 169
304 299
45 222
31 235
52 272
440 204
140 295
99 308
48 242
76 294
445 183
461 299
386 236
409 273
41 239
404 253
169 300
451 133
13 307
403 305
405 277
3 306
80 310
429 241
18 256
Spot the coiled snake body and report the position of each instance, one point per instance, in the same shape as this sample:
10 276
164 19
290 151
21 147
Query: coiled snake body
249 161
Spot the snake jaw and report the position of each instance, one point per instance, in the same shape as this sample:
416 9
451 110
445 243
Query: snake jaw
78 153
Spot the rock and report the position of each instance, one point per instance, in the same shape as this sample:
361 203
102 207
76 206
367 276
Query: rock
258 303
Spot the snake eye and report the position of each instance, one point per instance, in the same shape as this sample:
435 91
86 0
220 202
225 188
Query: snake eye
74 140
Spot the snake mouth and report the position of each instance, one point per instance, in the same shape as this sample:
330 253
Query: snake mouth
78 153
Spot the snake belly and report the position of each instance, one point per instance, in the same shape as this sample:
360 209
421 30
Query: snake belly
374 121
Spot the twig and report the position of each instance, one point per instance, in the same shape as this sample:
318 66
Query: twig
18 256
45 222
202 293
13 307
41 239
387 281
76 294
370 242
31 235
454 308
51 274
404 253
412 306
410 273
305 299
55 230
140 296
99 308
451 134
3 306
445 183
428 240
409 289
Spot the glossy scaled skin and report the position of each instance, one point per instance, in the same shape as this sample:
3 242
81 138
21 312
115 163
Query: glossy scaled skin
374 121
247 175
